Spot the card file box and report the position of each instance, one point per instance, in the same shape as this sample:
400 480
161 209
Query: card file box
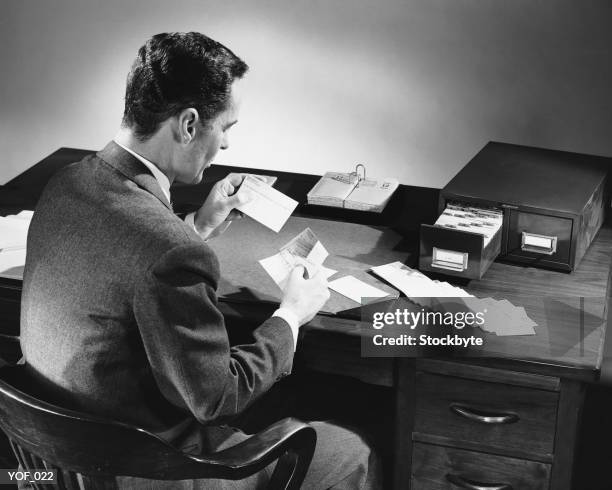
553 204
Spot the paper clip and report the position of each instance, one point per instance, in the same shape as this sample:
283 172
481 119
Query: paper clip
358 175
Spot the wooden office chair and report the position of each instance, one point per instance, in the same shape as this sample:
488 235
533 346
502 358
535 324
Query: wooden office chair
45 436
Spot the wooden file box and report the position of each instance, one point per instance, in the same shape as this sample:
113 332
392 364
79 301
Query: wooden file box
553 204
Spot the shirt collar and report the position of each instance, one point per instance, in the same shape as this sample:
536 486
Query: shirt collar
161 178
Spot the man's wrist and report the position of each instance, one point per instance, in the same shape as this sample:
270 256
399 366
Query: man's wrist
190 220
291 318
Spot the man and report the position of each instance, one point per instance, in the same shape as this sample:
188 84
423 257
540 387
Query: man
119 309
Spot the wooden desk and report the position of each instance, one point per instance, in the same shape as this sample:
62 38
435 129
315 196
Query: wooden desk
539 382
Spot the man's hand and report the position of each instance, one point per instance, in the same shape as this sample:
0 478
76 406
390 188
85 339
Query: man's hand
305 297
218 211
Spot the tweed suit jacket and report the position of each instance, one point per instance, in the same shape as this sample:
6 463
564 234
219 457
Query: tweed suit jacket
119 307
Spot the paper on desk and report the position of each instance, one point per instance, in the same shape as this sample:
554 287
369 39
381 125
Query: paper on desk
268 206
307 246
305 250
279 267
511 320
501 317
354 289
415 284
14 231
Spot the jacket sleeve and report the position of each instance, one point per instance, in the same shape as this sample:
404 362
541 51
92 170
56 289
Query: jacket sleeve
185 339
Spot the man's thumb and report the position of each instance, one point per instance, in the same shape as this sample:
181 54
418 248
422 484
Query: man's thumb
298 271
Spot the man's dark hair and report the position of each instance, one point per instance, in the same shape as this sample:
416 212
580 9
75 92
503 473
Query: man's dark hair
175 71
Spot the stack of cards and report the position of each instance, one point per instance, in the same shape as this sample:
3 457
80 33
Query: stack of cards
501 317
414 284
332 189
305 250
485 221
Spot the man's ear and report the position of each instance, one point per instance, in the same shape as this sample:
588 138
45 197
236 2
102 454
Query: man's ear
187 121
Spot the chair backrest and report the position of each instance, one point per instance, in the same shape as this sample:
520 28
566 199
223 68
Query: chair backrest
47 436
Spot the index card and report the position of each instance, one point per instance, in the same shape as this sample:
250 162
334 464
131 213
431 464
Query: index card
307 246
505 319
268 206
332 189
305 250
279 267
415 284
354 289
484 221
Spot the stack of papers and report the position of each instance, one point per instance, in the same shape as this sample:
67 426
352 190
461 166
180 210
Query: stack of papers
332 189
501 317
268 206
351 192
305 250
484 221
371 195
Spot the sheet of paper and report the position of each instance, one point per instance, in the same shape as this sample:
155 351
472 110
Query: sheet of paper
354 289
306 250
307 246
279 267
268 206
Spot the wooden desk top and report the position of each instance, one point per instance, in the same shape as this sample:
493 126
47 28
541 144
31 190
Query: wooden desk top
353 250
568 343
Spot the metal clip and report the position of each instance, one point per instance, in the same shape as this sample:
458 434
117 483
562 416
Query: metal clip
360 176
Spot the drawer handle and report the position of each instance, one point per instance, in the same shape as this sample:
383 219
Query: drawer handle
449 259
483 417
540 244
474 485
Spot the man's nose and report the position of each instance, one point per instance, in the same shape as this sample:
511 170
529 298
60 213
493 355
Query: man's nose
224 143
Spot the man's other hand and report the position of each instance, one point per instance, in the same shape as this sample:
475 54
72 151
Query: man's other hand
305 297
218 211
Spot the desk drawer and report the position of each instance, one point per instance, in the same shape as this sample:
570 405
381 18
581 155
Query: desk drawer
444 468
455 252
539 239
512 419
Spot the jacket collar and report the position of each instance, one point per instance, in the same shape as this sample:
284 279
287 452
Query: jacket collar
133 169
